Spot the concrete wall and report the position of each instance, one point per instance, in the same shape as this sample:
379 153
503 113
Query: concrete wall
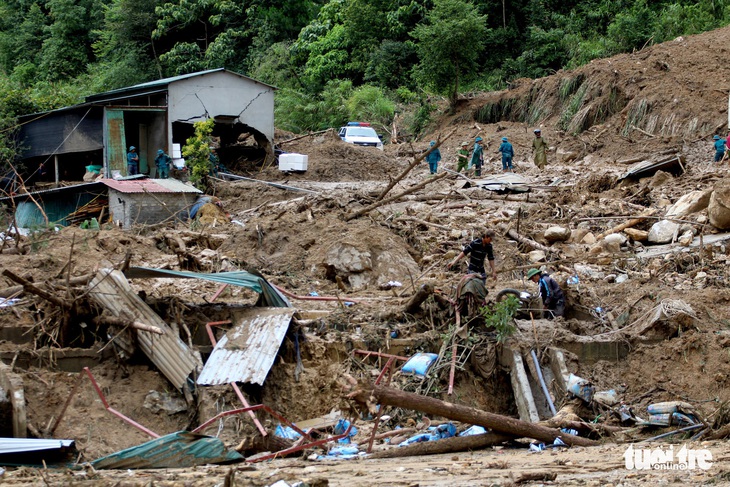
222 93
147 208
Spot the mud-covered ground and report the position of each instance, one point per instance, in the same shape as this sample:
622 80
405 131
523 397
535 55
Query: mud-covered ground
308 242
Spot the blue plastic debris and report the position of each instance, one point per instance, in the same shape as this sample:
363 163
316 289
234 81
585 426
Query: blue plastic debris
419 364
570 431
341 427
580 387
313 293
432 434
473 430
573 280
538 447
286 432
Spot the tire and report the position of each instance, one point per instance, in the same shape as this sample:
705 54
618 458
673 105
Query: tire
502 295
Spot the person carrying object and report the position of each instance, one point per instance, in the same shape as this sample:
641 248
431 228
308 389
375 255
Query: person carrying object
550 292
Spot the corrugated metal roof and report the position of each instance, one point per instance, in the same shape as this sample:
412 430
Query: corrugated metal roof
149 186
162 84
270 295
247 352
168 352
90 187
181 449
26 445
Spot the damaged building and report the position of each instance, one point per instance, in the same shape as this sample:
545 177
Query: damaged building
59 144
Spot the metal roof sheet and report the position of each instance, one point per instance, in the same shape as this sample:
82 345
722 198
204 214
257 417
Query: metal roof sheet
149 186
162 84
247 352
75 188
168 352
26 445
270 296
180 449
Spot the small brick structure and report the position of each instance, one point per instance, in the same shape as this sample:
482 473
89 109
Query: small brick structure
149 201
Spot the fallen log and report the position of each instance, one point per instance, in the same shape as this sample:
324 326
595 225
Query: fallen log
529 242
446 445
626 224
434 407
412 165
412 189
28 286
136 324
414 304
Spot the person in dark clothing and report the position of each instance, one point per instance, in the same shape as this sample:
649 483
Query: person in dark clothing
162 162
550 292
478 250
132 161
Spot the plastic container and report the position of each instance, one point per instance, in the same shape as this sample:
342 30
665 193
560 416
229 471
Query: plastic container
176 151
580 387
293 162
419 364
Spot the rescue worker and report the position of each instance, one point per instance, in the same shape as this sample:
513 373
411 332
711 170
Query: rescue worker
433 158
550 292
132 161
162 161
539 146
477 156
507 153
719 148
477 250
462 157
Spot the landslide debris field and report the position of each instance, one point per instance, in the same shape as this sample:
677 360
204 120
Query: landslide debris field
645 319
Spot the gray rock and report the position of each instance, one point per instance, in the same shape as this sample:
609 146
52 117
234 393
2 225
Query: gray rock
663 231
691 202
557 234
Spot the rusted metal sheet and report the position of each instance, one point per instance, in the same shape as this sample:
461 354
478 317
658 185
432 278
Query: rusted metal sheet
149 186
115 150
247 352
110 289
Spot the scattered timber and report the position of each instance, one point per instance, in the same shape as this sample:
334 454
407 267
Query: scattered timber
445 445
412 189
435 407
527 241
627 224
413 164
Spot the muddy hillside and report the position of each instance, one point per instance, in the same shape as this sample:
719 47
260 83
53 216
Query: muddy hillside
630 217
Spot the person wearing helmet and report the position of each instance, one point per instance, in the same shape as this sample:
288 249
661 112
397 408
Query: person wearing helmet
132 161
162 162
719 148
477 156
477 250
433 158
462 157
507 154
539 147
552 296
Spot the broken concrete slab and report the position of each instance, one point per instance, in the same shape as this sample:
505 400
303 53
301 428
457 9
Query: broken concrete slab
520 384
12 385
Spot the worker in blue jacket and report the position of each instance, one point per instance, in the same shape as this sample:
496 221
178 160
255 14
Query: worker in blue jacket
507 153
719 148
132 161
433 158
550 292
477 156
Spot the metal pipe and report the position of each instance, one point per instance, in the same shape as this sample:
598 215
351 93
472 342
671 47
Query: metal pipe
367 353
542 382
681 430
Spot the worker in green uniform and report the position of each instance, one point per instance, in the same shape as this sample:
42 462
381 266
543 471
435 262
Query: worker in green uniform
477 156
539 147
462 157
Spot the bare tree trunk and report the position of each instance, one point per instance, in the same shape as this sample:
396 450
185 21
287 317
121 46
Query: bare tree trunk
435 407
446 445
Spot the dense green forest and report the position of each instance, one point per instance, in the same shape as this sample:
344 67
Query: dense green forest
331 60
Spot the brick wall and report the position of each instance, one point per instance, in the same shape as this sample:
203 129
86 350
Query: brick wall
147 208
